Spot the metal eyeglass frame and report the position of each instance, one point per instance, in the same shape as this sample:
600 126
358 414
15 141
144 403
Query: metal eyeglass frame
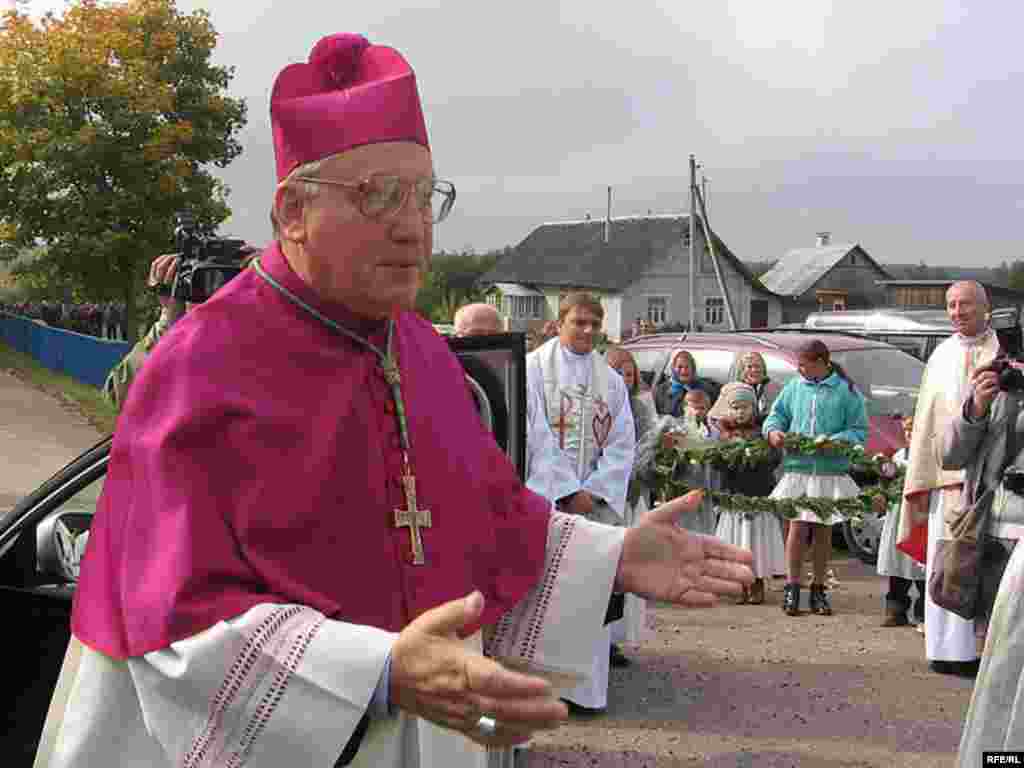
446 188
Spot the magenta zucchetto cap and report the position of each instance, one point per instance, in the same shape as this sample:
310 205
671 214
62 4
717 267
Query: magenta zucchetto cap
350 94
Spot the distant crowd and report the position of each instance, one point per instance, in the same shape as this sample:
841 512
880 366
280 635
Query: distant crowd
105 321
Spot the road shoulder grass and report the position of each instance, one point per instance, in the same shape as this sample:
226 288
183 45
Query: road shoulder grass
84 399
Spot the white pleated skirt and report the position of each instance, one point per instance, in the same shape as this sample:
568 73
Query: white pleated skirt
795 485
761 534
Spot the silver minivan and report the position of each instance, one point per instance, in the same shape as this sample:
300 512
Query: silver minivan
917 331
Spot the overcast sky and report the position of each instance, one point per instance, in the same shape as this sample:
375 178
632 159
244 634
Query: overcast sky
891 124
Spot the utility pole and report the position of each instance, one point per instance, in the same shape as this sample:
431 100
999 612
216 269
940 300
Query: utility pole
693 243
608 218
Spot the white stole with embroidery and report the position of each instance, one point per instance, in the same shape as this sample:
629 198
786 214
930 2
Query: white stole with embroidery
579 415
579 439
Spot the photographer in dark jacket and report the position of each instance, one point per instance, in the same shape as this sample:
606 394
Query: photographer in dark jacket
161 273
981 440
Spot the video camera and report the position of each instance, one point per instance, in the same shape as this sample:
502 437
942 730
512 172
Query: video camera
206 262
1011 378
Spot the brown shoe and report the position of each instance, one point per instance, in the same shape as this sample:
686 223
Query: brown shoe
744 598
757 592
895 616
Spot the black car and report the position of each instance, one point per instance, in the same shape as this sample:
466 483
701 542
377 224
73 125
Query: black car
43 538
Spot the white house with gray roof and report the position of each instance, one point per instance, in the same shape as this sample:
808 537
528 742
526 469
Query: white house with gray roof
639 268
827 277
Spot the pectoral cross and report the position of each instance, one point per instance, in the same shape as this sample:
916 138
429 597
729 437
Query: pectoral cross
412 518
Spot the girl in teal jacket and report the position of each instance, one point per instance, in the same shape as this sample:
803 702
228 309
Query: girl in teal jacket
821 401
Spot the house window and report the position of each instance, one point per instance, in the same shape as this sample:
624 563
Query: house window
524 306
714 310
657 309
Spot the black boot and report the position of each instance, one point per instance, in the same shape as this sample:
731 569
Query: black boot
919 602
791 600
897 602
895 614
819 600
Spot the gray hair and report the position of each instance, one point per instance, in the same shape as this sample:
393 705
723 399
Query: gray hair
980 293
304 190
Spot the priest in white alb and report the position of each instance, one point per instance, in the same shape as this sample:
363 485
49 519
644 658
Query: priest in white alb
929 490
582 441
304 525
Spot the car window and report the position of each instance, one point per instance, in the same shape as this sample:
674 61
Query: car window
779 372
714 364
649 360
912 345
889 378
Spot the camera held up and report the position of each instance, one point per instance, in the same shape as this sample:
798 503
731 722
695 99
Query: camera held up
1011 378
207 262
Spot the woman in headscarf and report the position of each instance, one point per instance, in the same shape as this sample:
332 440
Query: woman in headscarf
751 370
670 395
733 414
632 628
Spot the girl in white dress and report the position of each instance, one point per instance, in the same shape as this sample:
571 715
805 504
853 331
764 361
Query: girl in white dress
901 569
734 415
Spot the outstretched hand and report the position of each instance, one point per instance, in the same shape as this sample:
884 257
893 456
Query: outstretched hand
661 561
437 677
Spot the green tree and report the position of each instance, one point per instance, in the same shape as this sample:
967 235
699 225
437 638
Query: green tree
110 119
453 280
1016 276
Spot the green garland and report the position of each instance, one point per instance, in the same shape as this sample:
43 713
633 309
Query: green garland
672 465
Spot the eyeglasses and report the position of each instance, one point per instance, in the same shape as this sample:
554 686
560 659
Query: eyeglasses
382 197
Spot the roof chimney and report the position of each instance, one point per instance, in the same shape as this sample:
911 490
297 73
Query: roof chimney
608 218
824 238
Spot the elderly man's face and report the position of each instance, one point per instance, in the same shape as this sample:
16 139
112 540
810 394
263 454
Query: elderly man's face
478 323
372 266
966 309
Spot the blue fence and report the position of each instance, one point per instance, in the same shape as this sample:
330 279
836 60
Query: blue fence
82 357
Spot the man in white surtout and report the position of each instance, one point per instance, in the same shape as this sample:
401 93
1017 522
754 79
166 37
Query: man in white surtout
304 525
578 410
950 642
